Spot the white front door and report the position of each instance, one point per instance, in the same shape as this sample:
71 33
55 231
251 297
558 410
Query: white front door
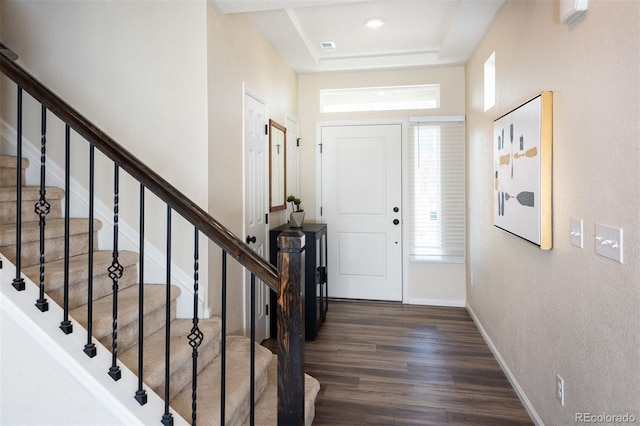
361 201
255 205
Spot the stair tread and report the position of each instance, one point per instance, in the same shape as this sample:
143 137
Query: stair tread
30 193
54 228
181 351
237 383
267 405
154 296
9 162
237 347
54 270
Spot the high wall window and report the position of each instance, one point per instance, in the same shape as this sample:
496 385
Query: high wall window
390 98
490 82
436 190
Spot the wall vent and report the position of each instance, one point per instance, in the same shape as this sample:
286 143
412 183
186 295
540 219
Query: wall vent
328 46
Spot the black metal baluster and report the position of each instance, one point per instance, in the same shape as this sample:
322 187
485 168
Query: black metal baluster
167 417
18 281
42 208
66 325
115 273
223 339
141 394
195 337
252 357
90 347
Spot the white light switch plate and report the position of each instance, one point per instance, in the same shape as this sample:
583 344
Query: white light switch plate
609 242
577 238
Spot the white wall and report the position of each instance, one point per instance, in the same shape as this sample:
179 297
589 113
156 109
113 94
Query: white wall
566 311
60 399
428 283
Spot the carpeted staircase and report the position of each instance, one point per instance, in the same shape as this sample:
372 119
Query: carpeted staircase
238 347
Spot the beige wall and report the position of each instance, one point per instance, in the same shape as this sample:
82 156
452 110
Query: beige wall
238 54
566 311
138 71
424 282
125 66
165 79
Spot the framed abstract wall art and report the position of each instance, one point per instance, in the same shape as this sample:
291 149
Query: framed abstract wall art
522 154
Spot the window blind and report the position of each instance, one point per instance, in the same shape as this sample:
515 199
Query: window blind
437 191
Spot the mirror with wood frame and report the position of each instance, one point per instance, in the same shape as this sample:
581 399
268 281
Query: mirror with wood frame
277 166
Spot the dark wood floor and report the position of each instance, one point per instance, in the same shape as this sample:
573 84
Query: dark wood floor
393 364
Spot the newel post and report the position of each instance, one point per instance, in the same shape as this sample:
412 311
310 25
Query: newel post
291 329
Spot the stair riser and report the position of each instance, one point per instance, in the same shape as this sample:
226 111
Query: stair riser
102 327
128 332
181 374
237 384
8 211
239 417
102 286
8 177
53 248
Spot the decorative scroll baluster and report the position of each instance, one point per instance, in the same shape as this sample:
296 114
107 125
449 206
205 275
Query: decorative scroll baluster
141 394
223 338
18 281
195 337
90 347
66 325
252 351
115 273
291 377
167 417
42 208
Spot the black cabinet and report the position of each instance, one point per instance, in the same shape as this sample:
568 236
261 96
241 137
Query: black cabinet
316 301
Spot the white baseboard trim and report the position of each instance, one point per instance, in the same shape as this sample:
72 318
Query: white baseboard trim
436 302
507 371
155 260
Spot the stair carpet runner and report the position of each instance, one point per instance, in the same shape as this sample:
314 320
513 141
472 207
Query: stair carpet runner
238 347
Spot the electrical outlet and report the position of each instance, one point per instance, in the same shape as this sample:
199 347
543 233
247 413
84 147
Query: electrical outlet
560 389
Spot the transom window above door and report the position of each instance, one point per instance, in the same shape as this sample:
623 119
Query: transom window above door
389 98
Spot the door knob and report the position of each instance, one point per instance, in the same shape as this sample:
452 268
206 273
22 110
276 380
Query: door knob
396 221
251 239
396 210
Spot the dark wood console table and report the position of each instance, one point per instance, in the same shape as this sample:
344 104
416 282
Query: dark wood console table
316 300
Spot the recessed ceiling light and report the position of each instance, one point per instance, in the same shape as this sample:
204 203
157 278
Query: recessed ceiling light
328 46
374 22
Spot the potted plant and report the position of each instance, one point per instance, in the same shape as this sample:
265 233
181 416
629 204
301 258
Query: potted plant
297 213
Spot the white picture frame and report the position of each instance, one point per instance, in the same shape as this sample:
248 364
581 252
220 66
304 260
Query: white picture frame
522 141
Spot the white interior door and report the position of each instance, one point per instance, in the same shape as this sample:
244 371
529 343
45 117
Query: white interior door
361 202
256 205
292 188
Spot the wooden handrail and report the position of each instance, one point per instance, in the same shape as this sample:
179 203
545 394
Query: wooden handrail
209 226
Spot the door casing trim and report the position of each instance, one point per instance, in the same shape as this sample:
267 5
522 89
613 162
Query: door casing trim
246 315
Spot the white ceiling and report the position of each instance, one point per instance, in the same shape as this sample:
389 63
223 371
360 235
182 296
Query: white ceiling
416 32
